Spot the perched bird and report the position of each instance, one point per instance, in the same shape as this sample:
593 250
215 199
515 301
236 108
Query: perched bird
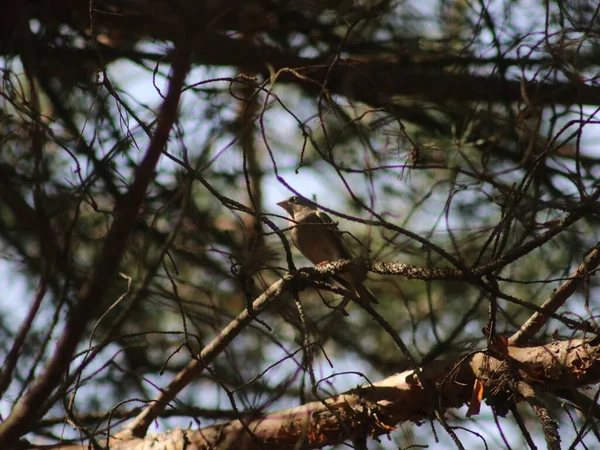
319 240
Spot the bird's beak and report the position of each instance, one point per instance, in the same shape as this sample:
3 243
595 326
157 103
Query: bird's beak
285 205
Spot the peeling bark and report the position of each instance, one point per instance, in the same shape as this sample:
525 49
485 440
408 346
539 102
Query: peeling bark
377 409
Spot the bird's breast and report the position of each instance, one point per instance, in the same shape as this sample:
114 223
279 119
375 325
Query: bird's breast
317 243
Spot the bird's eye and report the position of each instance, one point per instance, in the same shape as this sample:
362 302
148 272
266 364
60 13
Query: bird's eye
294 199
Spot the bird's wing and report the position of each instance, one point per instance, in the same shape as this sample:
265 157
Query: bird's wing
352 279
325 217
335 234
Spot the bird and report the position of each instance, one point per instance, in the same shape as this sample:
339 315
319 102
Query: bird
319 240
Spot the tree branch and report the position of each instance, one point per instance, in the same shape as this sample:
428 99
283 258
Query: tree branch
559 296
27 411
377 408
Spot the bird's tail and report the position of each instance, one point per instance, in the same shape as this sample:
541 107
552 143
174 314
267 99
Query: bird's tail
365 294
358 288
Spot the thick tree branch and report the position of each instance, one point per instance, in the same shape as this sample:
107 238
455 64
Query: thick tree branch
559 296
140 424
377 409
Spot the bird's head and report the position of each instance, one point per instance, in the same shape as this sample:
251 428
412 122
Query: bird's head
295 204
